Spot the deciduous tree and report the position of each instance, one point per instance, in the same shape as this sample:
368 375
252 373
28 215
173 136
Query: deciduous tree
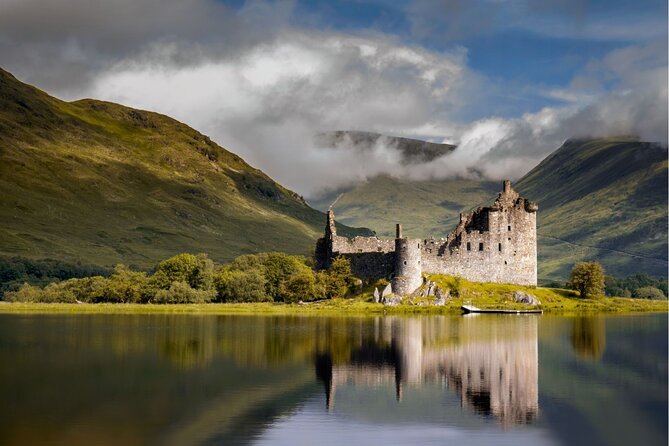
588 279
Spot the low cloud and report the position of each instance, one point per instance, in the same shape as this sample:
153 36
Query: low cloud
268 104
263 87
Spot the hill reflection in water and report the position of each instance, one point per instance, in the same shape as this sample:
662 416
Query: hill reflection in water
192 379
491 363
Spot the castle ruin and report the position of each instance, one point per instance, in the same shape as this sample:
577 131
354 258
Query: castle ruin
490 244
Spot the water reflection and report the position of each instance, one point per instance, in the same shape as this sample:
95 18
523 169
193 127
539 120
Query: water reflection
588 337
490 362
185 379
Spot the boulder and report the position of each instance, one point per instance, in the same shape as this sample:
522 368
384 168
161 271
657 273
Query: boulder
376 295
392 300
525 298
388 290
441 298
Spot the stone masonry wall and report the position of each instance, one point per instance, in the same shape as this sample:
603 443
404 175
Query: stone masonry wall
502 251
492 244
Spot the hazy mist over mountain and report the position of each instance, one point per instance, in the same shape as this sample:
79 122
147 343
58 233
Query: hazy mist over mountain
506 83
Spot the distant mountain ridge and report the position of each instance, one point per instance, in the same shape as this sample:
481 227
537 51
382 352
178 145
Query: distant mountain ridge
413 151
99 183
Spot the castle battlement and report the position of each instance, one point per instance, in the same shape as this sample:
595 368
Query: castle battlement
495 244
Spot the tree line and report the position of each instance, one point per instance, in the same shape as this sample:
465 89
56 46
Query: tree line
589 280
189 278
15 271
264 277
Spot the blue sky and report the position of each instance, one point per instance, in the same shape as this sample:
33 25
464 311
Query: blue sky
507 81
519 43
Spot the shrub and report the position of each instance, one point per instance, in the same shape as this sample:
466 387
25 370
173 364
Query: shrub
338 279
260 277
52 293
88 289
649 292
587 278
125 286
57 292
26 293
303 286
196 270
381 284
279 267
456 287
183 293
629 285
241 286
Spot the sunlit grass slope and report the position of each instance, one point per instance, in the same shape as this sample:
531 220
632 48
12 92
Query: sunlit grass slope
423 207
601 199
101 183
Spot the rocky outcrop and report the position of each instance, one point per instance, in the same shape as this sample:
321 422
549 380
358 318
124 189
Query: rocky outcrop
525 298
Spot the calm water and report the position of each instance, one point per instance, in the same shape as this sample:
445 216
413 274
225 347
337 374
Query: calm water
179 379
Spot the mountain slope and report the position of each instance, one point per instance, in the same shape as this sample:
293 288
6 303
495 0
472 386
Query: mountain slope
602 199
101 183
413 151
423 207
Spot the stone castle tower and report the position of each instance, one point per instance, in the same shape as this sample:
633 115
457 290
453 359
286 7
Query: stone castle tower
490 244
407 274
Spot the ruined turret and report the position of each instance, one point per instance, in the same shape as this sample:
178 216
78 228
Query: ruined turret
323 252
407 264
330 227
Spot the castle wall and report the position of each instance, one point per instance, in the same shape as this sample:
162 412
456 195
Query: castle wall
371 265
493 244
344 245
370 257
498 255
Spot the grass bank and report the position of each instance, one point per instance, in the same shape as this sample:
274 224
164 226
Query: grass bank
553 301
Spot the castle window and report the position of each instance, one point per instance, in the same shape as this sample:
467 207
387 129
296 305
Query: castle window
405 262
509 227
505 262
499 247
509 238
419 245
469 246
480 246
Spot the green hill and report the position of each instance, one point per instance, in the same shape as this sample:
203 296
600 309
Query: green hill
100 183
600 199
423 207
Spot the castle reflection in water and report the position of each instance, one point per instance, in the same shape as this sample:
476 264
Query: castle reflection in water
490 362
